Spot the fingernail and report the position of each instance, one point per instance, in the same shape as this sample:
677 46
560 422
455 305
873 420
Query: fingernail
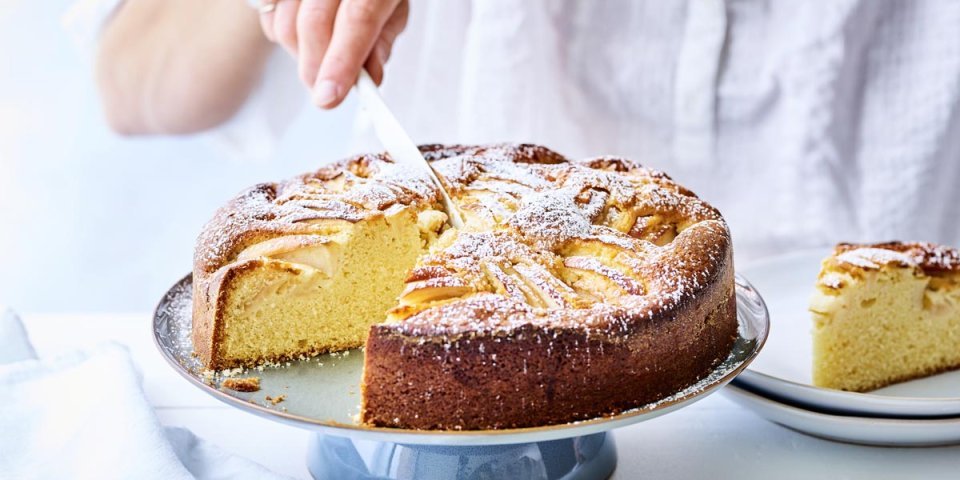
325 92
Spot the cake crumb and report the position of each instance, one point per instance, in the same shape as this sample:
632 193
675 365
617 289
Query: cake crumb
231 372
251 384
275 400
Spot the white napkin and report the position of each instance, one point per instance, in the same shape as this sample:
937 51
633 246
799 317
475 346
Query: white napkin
14 343
84 415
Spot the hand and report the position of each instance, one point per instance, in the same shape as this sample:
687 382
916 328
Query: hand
333 39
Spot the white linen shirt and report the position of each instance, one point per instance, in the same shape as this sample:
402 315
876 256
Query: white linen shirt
805 123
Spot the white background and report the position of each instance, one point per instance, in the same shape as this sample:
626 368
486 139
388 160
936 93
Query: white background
92 222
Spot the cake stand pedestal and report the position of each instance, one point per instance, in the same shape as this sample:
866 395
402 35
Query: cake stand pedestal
587 457
321 394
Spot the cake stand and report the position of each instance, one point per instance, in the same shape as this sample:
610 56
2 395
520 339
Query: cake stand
322 394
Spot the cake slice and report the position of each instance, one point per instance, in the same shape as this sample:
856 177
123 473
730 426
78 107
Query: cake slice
885 313
301 268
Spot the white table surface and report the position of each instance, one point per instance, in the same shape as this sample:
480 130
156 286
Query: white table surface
713 438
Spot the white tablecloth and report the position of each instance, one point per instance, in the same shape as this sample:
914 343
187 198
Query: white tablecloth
713 438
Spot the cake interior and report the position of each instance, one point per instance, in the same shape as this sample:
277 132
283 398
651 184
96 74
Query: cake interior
323 296
875 327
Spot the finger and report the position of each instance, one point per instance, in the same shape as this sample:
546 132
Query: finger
356 29
374 67
314 28
397 22
266 22
285 25
377 59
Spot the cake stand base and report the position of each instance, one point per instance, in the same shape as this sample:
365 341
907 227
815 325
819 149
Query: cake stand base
588 457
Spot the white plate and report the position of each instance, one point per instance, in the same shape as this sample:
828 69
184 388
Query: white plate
783 368
887 432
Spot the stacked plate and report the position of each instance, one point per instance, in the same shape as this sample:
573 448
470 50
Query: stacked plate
778 386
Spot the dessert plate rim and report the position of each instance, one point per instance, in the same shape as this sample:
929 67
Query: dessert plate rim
807 395
752 334
888 432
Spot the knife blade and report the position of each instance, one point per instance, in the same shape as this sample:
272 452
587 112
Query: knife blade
398 144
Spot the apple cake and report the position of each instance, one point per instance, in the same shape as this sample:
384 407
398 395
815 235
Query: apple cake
885 313
575 289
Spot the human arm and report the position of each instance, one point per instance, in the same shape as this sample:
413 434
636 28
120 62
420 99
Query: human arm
178 66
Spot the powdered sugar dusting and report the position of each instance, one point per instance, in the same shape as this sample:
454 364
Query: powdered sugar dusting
550 217
643 243
318 203
874 258
519 266
930 257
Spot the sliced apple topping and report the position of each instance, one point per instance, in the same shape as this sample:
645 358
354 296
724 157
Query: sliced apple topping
588 270
325 258
319 252
507 284
430 223
476 216
655 229
434 290
553 292
336 184
605 245
488 205
618 219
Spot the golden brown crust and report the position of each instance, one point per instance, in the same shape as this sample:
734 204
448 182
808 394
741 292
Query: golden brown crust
541 375
209 305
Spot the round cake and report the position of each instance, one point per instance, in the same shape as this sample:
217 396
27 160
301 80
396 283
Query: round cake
575 289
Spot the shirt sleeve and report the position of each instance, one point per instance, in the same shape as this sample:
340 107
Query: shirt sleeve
254 133
84 21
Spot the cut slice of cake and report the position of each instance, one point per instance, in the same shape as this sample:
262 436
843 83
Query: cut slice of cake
885 313
310 273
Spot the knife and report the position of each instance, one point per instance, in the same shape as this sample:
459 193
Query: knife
398 144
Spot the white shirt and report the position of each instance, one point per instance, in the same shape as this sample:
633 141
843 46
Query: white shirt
805 123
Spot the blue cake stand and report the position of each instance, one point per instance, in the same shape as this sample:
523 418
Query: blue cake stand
322 394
